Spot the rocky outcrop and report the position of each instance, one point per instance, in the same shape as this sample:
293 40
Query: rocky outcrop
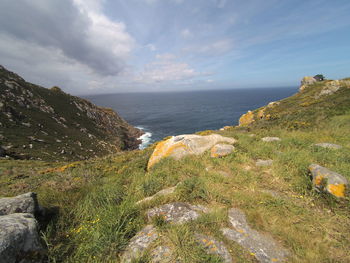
19 230
306 81
182 145
64 126
246 119
328 181
263 247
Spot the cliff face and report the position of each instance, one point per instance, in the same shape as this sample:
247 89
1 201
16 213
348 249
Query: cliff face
315 102
48 124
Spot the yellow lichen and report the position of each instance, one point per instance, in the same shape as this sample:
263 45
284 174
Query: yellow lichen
246 119
337 189
318 180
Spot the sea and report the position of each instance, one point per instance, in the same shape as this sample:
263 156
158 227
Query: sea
165 114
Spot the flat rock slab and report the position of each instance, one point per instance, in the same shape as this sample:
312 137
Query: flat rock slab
221 150
328 181
180 146
19 238
26 203
163 192
139 243
177 212
329 145
264 162
264 247
214 247
271 139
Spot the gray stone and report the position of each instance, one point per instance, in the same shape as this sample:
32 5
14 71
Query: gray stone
177 212
328 181
19 239
161 254
139 243
328 145
264 247
214 247
25 203
270 139
220 150
260 162
163 192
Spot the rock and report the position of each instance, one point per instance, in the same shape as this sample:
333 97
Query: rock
19 239
139 243
246 119
163 192
2 152
161 254
179 146
273 104
330 88
25 203
177 212
263 247
214 247
220 150
328 181
264 162
328 145
306 81
270 139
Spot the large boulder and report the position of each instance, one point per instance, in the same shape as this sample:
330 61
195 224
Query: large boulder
25 203
19 239
328 181
179 146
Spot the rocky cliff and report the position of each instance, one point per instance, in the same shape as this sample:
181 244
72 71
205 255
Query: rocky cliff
49 124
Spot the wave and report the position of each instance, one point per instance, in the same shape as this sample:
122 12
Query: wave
146 138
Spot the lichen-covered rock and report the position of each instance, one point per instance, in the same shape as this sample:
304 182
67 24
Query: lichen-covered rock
19 239
264 162
214 247
263 247
183 145
161 254
25 203
246 119
139 243
306 81
177 212
163 192
270 139
328 145
220 150
329 181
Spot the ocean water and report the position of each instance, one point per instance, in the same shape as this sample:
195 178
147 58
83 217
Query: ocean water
165 114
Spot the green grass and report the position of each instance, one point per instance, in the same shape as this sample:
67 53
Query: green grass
96 199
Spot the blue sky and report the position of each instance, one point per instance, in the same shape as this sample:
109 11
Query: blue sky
106 46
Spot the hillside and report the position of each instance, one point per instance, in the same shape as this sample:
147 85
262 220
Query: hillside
48 124
253 199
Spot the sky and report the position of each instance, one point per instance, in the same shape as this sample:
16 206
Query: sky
111 46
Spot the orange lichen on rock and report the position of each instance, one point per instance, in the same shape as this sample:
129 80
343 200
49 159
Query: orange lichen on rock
318 180
246 119
337 189
261 113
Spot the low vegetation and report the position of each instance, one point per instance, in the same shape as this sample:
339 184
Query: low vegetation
94 210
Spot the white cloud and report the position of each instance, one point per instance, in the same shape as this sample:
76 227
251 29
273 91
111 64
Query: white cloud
212 49
186 33
151 47
166 69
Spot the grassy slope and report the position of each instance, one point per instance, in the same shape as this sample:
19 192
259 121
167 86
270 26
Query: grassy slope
96 198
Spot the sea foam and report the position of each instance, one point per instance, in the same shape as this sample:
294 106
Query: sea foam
146 138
